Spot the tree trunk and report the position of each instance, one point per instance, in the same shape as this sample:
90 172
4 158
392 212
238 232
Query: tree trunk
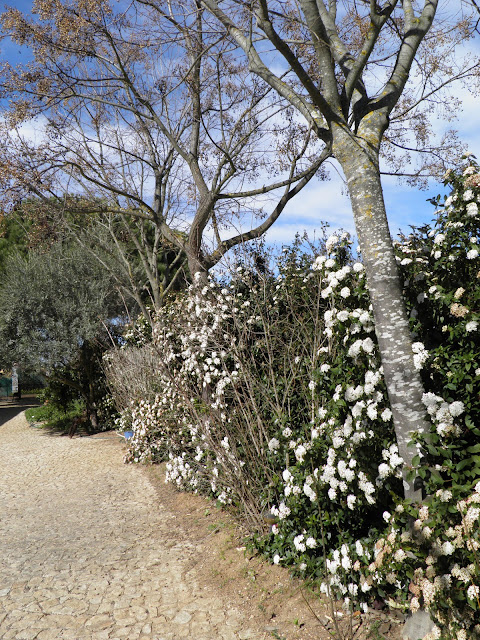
92 416
359 161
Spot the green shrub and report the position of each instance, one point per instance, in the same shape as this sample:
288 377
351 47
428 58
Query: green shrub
54 417
270 397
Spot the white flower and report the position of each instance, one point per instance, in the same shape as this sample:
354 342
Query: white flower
351 499
353 393
383 470
287 432
420 355
473 592
400 555
386 516
472 254
368 345
300 452
274 444
456 408
437 255
345 292
332 493
298 543
311 543
324 368
358 267
386 415
447 548
414 605
309 492
423 513
330 263
471 326
331 242
372 411
468 195
439 239
318 263
418 347
444 494
283 511
311 385
472 209
471 516
355 348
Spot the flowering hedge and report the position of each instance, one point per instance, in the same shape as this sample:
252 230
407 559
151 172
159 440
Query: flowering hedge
270 396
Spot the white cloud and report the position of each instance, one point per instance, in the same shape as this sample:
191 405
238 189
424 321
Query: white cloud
317 203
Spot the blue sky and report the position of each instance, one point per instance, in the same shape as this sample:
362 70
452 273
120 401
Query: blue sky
327 201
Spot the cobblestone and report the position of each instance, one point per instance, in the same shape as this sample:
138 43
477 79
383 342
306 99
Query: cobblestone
88 553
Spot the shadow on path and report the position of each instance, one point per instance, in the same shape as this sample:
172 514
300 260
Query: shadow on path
9 409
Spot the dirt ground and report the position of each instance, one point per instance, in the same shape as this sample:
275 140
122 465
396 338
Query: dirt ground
273 600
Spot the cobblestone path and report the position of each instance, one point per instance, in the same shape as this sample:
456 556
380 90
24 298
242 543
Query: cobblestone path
87 551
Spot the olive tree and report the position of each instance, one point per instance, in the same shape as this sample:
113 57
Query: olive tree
58 311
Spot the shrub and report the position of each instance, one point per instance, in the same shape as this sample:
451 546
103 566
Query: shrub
269 395
54 417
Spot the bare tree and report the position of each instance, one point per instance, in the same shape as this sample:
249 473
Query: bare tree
345 69
144 112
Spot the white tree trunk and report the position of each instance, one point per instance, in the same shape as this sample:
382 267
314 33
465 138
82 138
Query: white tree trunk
359 161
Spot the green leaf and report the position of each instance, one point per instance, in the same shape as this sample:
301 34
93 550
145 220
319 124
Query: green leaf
474 449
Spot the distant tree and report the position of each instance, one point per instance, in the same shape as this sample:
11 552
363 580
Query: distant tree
13 239
58 310
143 264
145 267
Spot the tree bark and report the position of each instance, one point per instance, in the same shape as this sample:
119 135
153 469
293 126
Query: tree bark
359 160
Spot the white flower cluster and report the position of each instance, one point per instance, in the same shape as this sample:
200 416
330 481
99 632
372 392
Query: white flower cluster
420 355
449 566
442 413
392 464
345 575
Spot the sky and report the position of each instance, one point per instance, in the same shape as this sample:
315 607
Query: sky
327 201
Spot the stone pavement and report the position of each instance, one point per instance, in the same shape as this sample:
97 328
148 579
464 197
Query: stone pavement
88 552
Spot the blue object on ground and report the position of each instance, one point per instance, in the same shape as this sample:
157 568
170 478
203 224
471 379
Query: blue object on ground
128 434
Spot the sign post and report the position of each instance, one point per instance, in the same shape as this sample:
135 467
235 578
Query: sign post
15 383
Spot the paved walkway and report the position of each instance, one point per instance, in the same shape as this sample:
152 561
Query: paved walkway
87 551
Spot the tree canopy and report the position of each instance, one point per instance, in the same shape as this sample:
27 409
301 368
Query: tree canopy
50 304
146 108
